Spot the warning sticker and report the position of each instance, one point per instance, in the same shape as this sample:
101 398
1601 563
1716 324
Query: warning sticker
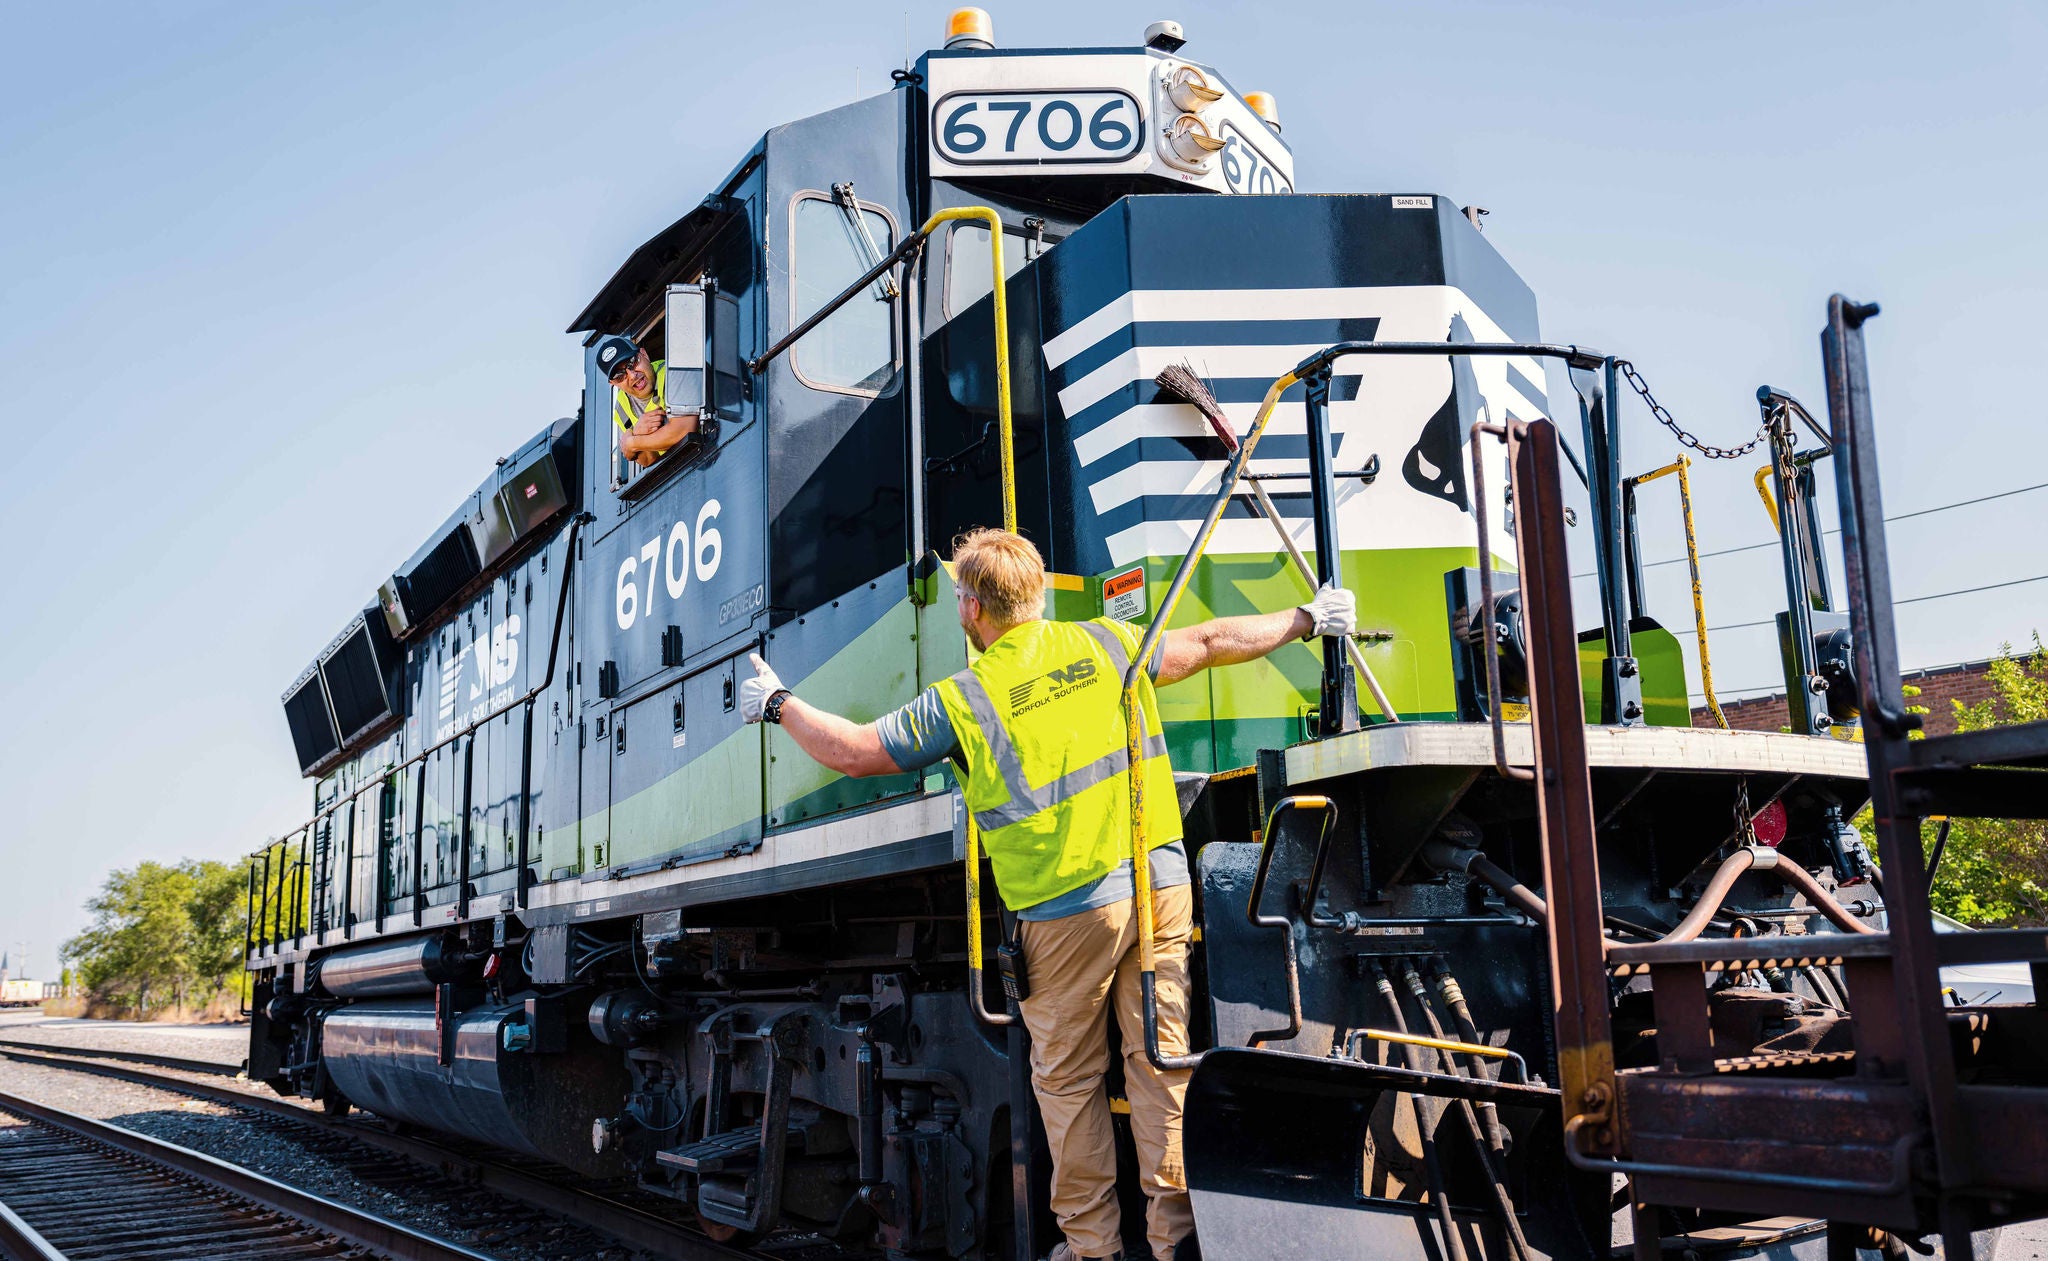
1123 595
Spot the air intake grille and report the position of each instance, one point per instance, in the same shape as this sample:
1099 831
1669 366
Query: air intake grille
357 682
313 734
441 573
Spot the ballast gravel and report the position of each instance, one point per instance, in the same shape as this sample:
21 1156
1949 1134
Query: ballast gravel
475 1219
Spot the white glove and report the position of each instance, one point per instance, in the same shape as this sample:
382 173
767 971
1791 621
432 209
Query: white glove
1334 611
754 692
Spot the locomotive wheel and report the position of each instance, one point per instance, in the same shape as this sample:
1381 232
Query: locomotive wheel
733 1236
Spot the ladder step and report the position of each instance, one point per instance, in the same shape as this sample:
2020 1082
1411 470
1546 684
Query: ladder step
733 1151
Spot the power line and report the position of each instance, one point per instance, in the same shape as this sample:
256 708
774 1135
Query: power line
1904 516
1939 595
1779 686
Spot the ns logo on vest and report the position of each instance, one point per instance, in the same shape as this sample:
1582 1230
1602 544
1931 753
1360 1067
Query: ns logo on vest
1066 676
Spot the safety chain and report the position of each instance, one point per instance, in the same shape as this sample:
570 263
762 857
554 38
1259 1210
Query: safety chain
1657 409
1745 818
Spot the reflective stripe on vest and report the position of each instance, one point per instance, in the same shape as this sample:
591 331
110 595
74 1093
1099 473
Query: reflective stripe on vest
1026 800
623 404
1041 726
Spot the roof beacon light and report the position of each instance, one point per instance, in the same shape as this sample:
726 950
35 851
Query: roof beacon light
971 29
1166 36
1263 104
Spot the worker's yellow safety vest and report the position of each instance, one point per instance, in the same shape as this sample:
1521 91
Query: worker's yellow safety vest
1039 717
622 402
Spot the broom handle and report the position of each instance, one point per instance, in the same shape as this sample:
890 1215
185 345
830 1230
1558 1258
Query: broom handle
1308 575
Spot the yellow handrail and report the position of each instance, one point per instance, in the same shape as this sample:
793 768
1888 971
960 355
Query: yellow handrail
1692 561
1439 1044
1770 504
972 845
1134 740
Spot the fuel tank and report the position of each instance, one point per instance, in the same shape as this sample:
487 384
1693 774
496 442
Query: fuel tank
385 1057
413 966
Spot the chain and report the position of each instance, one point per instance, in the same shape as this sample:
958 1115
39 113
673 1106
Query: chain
1745 820
1657 409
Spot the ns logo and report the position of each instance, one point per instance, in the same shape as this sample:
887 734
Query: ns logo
1066 676
1074 672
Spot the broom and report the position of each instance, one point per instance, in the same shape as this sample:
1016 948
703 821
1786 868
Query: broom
1178 383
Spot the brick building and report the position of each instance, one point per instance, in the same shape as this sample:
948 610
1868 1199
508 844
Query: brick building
1968 682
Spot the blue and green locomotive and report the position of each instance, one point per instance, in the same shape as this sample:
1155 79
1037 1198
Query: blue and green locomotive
557 897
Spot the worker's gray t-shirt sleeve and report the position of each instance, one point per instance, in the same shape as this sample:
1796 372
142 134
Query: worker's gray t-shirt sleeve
1134 639
920 734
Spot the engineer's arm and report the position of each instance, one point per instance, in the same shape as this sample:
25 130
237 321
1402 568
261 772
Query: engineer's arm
649 437
1229 641
838 744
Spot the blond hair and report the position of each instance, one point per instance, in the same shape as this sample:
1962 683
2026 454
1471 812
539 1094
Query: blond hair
1003 571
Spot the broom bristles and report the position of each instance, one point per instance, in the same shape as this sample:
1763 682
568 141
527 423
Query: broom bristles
1180 382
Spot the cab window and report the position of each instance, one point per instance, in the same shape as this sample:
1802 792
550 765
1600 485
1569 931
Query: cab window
967 264
854 350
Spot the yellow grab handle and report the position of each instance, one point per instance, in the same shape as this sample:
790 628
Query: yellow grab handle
1770 505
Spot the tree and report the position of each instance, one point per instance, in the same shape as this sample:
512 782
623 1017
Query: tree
1994 872
219 907
159 933
139 943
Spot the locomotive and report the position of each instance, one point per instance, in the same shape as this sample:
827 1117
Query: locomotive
556 897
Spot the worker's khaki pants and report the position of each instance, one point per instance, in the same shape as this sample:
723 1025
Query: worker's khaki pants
1079 966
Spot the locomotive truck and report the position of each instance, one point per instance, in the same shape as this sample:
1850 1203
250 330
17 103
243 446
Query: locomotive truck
556 897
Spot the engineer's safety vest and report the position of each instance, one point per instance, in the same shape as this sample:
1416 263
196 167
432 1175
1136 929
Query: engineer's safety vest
627 410
1039 717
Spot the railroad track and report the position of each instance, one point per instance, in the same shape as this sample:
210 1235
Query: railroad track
364 1147
72 1187
210 1067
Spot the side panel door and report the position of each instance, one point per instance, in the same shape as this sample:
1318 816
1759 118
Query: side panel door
677 578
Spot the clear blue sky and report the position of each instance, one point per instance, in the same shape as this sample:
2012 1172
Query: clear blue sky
278 283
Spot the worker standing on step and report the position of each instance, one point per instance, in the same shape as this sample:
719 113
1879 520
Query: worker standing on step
1036 726
640 401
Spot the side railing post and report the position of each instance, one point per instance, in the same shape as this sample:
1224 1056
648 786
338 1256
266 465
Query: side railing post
1916 979
1339 708
1621 687
263 906
1564 794
301 891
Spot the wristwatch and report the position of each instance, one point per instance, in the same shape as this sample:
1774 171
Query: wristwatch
772 711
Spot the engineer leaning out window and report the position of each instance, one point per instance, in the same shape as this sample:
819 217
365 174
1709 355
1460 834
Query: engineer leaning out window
640 402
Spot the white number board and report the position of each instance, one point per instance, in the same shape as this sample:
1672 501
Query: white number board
976 128
1081 114
1246 168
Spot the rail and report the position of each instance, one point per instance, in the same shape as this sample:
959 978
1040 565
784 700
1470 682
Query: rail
268 918
598 1210
362 1229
